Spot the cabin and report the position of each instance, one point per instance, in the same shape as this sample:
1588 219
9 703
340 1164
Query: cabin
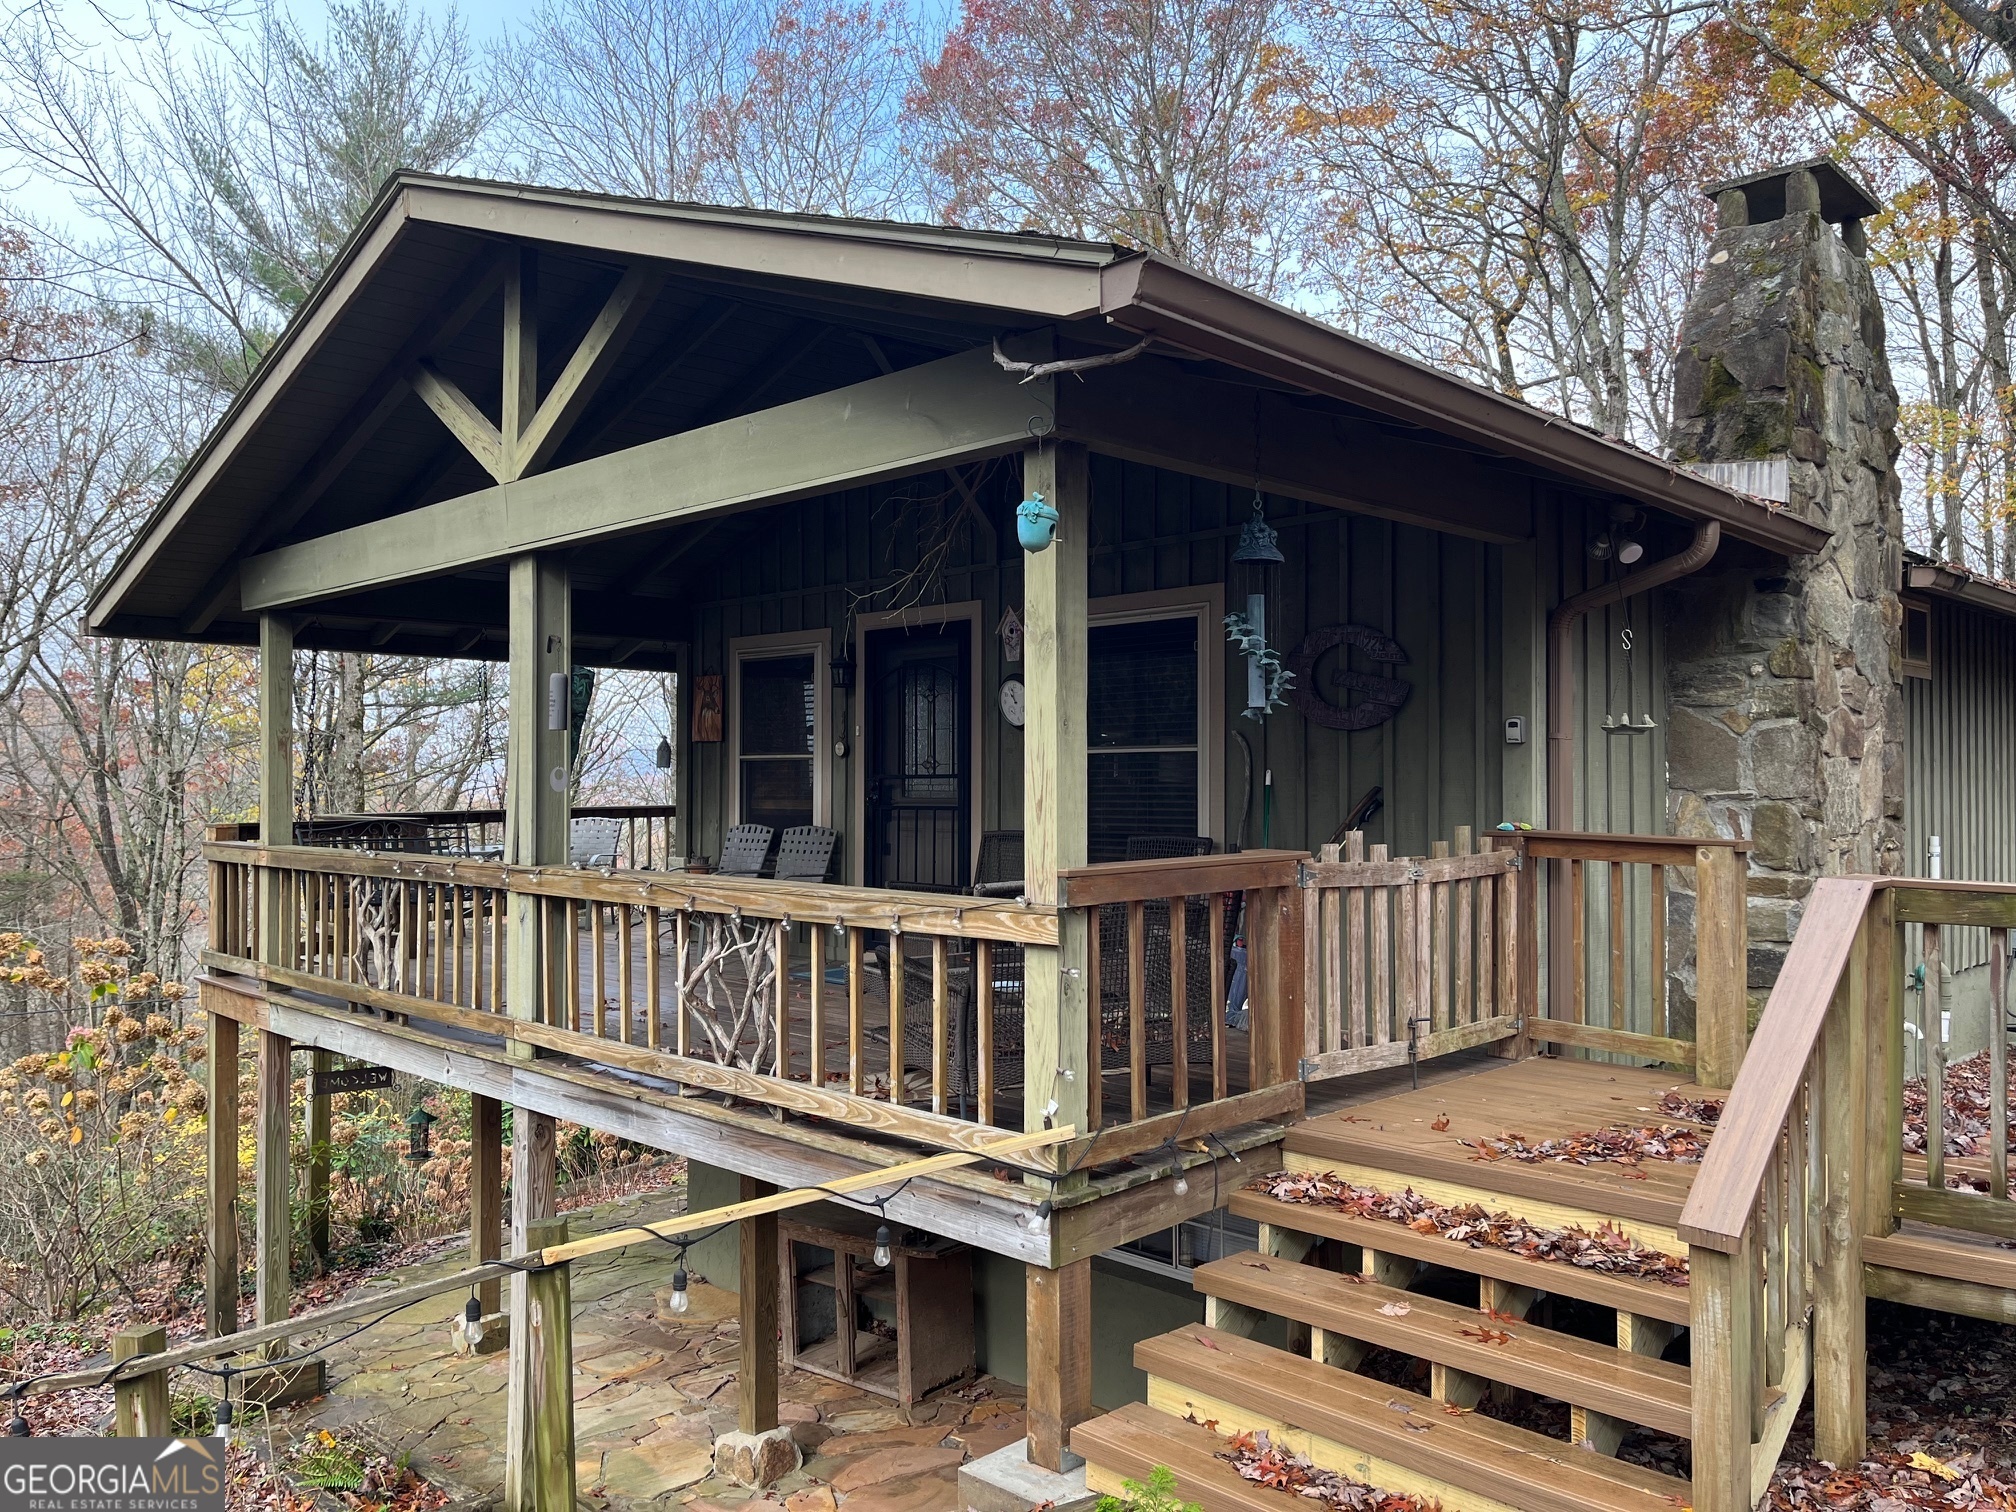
1128 731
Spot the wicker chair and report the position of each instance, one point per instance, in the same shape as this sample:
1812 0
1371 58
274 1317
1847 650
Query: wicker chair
1114 996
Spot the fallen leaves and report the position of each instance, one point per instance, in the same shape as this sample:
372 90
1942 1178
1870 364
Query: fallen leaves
1498 1336
1706 1110
1441 1125
1967 1127
1396 1309
1608 1249
1622 1144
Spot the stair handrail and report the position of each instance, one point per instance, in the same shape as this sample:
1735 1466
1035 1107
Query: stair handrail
1724 1197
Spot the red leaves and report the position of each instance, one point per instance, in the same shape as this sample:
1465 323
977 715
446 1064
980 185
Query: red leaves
1499 1317
1620 1144
1498 1336
1263 1463
1441 1125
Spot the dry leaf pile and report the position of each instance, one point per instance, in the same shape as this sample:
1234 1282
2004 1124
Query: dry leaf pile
1621 1144
1258 1460
1968 1129
1607 1249
1891 1482
1677 1104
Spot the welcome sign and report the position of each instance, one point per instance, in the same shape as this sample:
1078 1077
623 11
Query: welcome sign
112 1475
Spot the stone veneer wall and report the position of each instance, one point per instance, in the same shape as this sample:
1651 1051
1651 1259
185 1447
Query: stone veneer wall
1784 701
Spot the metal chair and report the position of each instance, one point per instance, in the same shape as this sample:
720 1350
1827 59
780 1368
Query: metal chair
744 849
592 842
998 872
805 853
1114 1005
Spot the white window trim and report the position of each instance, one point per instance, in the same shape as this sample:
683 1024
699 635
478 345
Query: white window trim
968 610
768 648
1206 602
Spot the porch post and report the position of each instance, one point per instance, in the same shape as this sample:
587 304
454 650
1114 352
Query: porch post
1060 1080
221 1278
756 1402
273 1230
537 783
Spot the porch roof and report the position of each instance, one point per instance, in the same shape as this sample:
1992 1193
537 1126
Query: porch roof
731 312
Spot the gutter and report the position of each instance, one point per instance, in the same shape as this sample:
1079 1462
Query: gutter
1960 587
1150 295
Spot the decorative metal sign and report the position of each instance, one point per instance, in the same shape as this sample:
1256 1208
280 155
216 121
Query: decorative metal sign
349 1079
1379 698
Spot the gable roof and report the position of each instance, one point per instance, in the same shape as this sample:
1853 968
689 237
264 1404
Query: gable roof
423 261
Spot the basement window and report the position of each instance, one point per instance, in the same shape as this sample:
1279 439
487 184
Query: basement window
1917 639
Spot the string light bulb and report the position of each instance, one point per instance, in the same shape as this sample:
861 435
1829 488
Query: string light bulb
1182 1187
883 1257
17 1425
227 1426
472 1320
680 1301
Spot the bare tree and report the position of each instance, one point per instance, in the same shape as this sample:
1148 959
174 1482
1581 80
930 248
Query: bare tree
1145 122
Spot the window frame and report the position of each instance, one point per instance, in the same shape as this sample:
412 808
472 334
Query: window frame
1910 666
747 648
1204 603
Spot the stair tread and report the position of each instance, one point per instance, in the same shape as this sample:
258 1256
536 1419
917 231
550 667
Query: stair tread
1136 1438
1935 1252
1634 1387
1633 1294
1467 1450
1653 1196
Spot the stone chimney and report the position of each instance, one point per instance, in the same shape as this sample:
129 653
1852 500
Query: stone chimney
1785 708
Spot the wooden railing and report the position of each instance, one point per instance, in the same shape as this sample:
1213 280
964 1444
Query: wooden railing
1806 1176
1159 966
897 1012
1407 959
644 840
1608 907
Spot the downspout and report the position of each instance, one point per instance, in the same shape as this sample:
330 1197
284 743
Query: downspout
1561 724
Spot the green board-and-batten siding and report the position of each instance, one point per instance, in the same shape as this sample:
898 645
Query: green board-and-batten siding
1960 736
813 565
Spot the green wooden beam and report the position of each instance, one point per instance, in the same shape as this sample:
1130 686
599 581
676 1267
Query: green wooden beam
954 409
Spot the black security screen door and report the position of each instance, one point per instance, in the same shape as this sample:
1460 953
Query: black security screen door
918 757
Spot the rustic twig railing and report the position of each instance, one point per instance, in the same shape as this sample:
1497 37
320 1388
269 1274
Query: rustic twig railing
1608 907
1412 958
898 1012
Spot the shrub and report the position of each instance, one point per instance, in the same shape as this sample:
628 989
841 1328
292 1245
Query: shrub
100 1156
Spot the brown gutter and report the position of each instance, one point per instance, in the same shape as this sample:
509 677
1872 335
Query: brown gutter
1151 296
1960 587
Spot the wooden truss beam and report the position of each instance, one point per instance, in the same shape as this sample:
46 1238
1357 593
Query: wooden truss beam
955 409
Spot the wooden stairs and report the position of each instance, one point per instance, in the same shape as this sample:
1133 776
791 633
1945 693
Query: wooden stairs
1208 1382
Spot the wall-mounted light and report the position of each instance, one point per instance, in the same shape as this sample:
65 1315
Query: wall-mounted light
842 669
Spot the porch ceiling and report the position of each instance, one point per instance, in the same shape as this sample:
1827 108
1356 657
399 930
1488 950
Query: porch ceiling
747 311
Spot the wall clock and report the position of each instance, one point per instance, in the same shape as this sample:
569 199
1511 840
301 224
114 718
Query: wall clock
1013 708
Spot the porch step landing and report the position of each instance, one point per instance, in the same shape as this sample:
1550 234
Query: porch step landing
1205 1384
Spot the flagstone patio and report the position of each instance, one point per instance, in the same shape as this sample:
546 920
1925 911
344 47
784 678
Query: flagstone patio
651 1392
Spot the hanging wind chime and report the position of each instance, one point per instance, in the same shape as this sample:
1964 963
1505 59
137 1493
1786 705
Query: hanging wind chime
1622 723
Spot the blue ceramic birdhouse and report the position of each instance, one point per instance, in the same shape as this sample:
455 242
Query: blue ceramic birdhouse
1035 523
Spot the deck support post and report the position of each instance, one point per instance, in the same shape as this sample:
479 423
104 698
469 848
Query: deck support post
221 1267
756 1404
538 763
1059 1358
1060 1081
1840 1311
320 1061
275 1180
539 1419
1723 1324
486 1192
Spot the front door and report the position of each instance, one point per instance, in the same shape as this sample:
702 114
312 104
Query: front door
919 761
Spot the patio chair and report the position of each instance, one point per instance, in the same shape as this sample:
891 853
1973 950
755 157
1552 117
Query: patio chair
998 872
805 853
1114 1005
744 849
592 842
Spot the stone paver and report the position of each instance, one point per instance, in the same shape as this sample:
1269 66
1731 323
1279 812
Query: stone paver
651 1392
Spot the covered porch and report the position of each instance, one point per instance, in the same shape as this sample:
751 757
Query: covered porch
789 461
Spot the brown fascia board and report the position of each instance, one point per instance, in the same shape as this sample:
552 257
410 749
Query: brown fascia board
1040 277
1151 296
1960 587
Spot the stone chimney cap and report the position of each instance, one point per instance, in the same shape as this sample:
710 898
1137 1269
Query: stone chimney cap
1842 198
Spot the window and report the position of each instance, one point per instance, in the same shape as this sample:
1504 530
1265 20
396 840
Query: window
778 712
1917 639
1142 712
